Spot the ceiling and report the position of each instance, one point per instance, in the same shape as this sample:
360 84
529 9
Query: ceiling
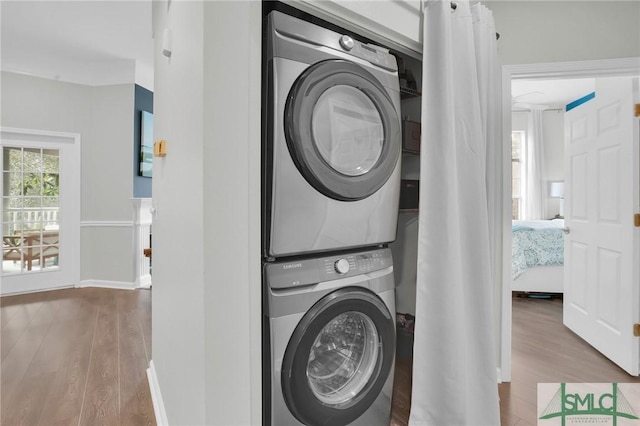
87 42
554 94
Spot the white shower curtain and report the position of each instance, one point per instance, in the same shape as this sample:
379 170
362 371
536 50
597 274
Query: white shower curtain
454 366
533 182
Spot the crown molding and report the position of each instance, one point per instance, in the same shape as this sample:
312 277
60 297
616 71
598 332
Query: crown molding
588 69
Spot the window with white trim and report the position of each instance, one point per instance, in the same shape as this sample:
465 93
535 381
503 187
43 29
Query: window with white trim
31 204
517 139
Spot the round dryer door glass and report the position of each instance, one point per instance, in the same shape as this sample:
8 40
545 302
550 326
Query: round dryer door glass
347 130
342 129
343 358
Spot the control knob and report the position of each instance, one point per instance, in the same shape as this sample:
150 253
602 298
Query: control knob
342 266
346 42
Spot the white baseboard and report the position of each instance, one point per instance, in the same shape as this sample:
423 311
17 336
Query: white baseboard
122 285
106 224
36 290
156 396
504 376
144 281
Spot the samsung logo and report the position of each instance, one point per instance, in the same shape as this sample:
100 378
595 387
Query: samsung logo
292 266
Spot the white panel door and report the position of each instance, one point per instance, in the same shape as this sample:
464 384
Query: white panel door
40 210
602 297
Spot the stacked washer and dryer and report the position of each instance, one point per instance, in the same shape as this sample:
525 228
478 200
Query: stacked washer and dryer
331 154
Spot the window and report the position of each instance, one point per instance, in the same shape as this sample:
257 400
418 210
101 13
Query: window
31 202
517 138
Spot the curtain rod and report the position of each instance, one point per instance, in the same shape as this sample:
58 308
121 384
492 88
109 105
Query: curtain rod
454 6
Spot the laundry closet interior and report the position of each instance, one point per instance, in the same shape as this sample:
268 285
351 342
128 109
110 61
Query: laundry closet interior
340 157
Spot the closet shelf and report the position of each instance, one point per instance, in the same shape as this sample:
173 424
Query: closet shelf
409 211
406 92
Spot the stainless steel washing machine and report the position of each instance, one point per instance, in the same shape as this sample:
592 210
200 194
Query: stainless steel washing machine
329 331
332 140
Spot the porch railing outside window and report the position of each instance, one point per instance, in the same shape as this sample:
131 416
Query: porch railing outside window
31 206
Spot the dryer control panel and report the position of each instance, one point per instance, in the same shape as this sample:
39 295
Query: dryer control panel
286 33
312 271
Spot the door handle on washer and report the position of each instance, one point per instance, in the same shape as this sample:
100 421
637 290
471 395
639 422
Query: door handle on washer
566 230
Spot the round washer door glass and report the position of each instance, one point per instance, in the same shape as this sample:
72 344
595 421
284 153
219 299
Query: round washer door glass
342 129
343 358
338 358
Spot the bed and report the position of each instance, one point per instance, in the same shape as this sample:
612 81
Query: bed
538 256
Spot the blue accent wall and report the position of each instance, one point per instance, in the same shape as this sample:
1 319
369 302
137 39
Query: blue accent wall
580 101
143 101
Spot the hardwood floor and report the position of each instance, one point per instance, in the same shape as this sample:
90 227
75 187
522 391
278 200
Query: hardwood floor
76 357
543 351
79 357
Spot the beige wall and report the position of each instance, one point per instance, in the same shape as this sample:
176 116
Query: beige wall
563 31
103 116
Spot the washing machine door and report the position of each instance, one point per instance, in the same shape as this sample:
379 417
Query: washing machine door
342 130
338 358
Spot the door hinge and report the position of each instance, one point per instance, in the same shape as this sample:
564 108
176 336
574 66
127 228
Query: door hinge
636 330
636 220
637 110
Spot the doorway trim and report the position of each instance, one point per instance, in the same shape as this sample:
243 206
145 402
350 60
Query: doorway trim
72 212
542 71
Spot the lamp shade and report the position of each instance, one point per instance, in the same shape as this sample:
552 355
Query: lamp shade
556 190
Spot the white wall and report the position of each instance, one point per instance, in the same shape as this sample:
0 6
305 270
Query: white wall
554 144
232 144
562 31
178 227
30 102
107 187
103 116
206 232
553 137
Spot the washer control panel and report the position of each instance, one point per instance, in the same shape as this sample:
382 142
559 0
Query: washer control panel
312 271
359 263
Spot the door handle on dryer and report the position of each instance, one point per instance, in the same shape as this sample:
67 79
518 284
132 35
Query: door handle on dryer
566 230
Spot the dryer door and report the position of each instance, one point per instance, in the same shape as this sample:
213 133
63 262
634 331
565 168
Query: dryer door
342 130
338 358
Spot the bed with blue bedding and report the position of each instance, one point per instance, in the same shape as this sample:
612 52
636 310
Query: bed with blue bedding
538 256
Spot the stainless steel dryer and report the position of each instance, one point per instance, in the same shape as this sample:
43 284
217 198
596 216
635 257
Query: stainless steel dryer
332 140
329 330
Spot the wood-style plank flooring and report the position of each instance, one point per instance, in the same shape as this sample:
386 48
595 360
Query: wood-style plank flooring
543 351
79 357
76 357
